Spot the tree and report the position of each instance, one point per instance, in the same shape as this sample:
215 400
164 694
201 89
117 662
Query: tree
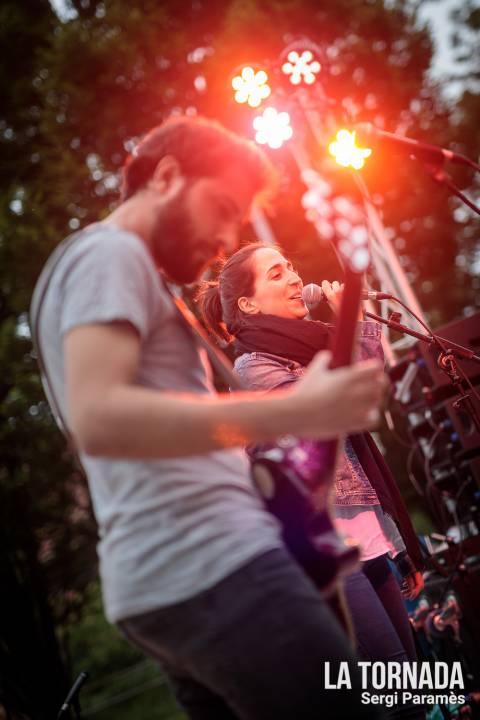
77 95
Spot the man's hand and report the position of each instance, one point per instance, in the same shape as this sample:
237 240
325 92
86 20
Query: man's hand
345 400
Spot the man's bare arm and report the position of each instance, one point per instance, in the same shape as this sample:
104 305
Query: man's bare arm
111 416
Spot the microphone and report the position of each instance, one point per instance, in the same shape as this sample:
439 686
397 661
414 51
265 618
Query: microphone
72 694
313 294
424 151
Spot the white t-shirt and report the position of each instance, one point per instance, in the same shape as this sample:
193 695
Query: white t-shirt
168 528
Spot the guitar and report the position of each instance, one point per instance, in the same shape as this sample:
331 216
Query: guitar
294 477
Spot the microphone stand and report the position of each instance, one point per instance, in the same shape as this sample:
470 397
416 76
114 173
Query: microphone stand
448 350
72 700
440 176
432 157
447 359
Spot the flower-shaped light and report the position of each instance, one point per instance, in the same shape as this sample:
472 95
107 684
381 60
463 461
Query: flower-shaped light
346 152
301 67
251 87
272 128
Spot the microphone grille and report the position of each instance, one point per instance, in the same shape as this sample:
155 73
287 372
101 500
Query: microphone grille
312 294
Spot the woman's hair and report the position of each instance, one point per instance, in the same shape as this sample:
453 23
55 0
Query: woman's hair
202 148
218 299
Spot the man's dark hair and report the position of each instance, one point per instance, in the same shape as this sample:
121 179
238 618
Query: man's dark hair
202 148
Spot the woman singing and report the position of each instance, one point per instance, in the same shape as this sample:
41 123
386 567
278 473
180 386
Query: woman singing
257 303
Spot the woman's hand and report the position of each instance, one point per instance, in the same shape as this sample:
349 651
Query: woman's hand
412 585
334 293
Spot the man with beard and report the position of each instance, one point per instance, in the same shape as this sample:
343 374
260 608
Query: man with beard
193 568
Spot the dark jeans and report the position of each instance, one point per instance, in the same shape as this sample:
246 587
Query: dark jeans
253 648
378 613
380 620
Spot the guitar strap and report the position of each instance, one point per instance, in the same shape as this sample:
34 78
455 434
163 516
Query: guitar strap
218 359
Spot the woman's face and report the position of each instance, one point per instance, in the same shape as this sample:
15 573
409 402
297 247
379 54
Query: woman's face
278 288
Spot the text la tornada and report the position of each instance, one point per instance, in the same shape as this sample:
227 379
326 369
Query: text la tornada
396 676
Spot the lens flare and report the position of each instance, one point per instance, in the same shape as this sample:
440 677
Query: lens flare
336 218
346 152
301 68
272 128
251 87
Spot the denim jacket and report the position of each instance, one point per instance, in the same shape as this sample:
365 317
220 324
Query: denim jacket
264 371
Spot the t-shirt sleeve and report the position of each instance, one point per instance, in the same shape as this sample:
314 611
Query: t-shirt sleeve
109 277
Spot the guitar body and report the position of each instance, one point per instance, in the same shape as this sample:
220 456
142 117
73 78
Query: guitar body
303 510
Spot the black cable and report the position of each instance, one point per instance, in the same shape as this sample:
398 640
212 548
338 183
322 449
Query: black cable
411 476
458 193
459 556
401 441
430 487
389 419
449 572
429 418
441 342
469 383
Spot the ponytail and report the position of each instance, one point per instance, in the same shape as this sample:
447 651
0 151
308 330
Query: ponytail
208 299
218 299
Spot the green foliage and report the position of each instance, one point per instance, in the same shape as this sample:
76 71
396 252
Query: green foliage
122 683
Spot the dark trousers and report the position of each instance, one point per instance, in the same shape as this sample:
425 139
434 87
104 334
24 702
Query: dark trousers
253 647
380 620
378 613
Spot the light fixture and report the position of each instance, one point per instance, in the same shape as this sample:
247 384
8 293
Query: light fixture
346 152
251 86
272 128
301 67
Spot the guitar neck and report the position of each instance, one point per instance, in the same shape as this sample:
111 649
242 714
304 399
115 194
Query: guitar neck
346 326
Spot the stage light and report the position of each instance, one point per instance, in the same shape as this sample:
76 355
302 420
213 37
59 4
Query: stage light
346 152
272 128
251 87
301 67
